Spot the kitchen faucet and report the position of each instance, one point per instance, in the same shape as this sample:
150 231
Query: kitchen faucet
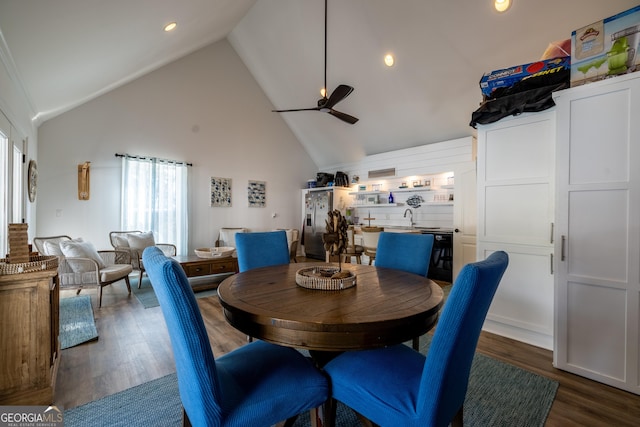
410 216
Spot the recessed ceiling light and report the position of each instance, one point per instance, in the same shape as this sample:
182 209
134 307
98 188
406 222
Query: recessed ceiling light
502 5
389 60
170 26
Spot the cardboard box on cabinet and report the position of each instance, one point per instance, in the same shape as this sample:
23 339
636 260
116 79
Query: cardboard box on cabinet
499 80
606 48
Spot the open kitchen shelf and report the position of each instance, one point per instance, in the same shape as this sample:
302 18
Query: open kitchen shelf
378 205
390 205
356 193
397 190
412 189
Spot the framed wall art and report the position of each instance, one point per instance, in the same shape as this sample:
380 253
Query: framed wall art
220 192
257 194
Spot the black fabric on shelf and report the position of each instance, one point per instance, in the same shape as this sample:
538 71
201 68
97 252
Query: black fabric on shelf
529 95
528 101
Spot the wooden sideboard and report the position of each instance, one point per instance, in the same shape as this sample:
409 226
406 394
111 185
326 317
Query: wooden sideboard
194 266
29 326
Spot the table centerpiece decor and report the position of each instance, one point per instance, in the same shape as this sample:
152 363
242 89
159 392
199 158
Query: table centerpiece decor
335 242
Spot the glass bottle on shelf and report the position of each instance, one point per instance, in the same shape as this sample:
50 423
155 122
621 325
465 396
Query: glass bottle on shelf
390 197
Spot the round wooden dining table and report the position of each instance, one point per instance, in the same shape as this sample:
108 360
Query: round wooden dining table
385 307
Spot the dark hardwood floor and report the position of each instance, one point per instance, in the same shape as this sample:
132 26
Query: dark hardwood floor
134 348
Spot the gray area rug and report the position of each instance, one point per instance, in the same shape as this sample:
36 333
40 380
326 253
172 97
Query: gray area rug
499 395
148 299
77 325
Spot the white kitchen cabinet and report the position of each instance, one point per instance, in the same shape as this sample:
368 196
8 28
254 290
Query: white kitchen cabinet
516 214
598 232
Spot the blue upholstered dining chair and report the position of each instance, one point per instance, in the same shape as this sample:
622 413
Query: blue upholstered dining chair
405 251
408 252
256 384
398 386
261 249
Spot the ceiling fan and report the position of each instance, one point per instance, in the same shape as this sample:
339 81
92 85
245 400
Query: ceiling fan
325 104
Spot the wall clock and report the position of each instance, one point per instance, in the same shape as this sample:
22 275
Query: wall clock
32 181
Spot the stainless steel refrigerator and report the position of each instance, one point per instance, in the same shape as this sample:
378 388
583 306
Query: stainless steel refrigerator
317 205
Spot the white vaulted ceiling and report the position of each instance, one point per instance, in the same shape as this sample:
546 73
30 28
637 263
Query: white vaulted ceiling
66 52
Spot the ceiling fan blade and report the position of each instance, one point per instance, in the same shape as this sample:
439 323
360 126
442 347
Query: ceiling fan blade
340 93
343 116
296 109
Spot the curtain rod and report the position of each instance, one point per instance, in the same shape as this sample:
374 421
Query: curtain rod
154 158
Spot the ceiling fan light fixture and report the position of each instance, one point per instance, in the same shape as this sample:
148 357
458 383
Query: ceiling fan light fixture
323 92
389 60
170 26
502 5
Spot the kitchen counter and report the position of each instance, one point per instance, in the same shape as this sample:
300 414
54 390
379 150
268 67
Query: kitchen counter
414 229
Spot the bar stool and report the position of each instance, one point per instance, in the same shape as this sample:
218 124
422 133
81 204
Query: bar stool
352 249
370 237
443 252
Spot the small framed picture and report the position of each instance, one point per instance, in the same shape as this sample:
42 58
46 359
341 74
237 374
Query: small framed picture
220 192
257 194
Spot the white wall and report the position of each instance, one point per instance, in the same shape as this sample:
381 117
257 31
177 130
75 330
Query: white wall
205 109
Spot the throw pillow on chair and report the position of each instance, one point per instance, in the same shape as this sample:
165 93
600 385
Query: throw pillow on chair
140 241
75 249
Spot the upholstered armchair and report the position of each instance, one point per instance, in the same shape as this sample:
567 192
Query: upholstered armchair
262 249
257 384
81 266
407 252
134 242
398 386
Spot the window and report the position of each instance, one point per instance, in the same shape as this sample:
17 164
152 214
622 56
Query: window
154 198
18 183
4 199
12 199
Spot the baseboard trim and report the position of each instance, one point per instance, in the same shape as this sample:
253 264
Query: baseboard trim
519 334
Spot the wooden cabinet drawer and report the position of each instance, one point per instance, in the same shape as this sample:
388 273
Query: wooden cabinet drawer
224 267
207 267
200 269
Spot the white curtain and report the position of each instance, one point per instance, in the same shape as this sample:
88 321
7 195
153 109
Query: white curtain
154 198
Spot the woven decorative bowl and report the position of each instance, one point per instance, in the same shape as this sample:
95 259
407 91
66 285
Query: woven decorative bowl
221 252
321 278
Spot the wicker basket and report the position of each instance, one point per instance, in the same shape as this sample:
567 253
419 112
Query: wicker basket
310 278
36 263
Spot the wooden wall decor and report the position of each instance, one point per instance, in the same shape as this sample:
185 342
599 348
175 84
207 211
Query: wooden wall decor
83 181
